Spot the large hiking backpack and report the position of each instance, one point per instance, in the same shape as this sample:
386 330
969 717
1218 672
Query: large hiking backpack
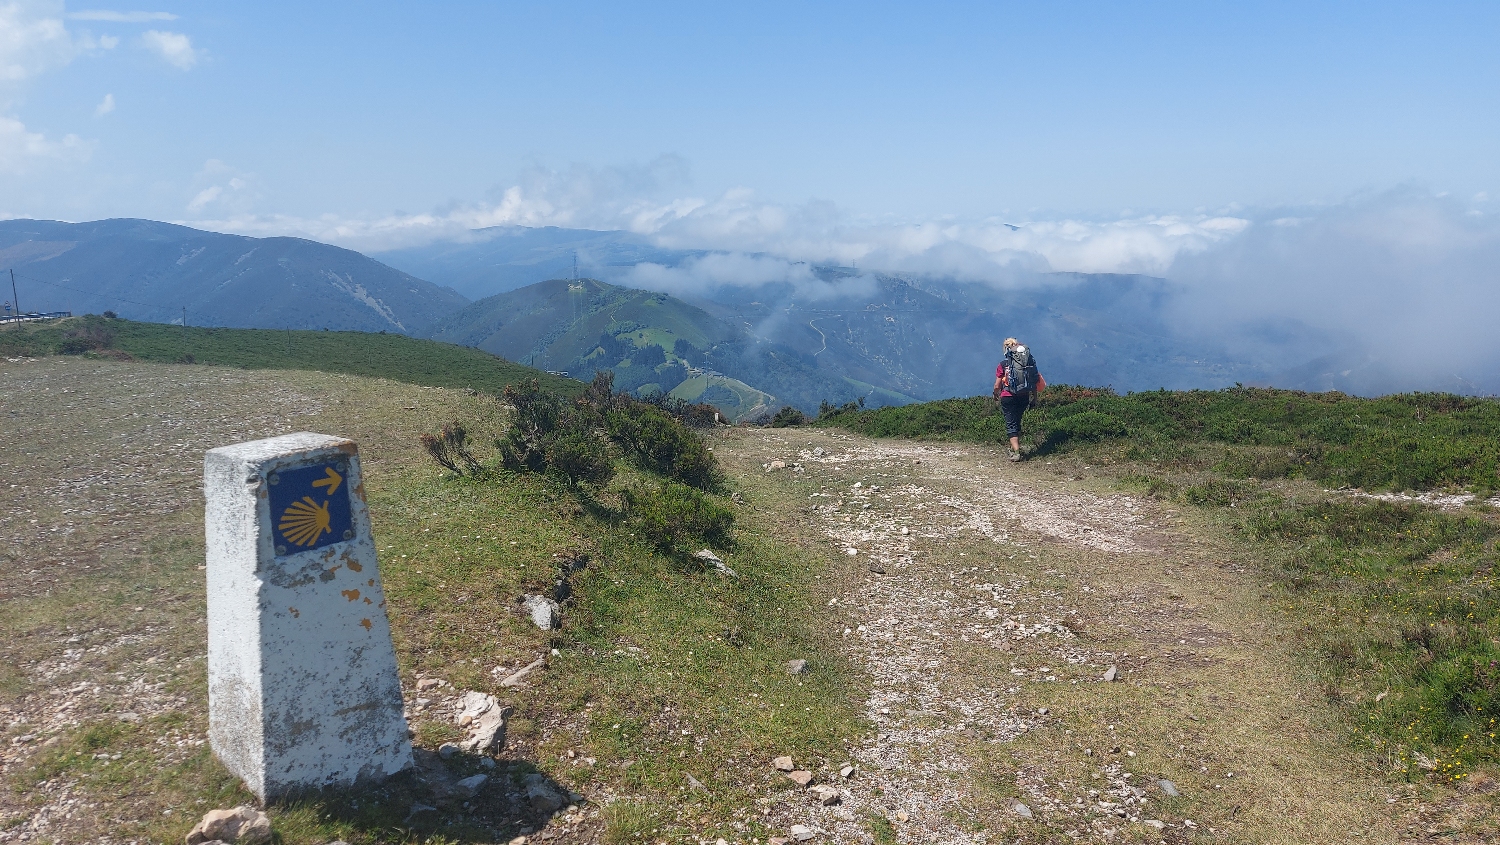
1020 371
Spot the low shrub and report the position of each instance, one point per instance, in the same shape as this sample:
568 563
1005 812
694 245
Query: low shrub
89 337
662 445
786 417
673 516
450 448
579 455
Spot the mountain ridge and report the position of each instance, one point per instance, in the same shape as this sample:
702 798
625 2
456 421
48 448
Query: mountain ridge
144 269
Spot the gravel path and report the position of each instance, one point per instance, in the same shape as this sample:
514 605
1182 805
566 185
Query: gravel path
986 602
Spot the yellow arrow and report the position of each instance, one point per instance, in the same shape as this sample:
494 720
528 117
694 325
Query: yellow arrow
332 482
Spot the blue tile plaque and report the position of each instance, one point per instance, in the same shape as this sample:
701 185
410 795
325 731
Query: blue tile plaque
310 507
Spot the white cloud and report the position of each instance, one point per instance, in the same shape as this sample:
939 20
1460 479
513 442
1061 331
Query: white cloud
120 17
34 39
22 149
223 188
105 106
1406 277
173 47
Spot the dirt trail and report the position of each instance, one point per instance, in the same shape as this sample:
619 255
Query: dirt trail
987 601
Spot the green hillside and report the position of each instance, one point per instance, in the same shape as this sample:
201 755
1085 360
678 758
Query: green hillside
652 342
552 324
391 356
1412 441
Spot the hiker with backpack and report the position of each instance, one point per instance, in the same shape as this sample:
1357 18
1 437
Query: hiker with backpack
1017 384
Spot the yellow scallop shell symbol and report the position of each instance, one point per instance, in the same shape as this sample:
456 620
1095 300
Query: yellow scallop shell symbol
304 522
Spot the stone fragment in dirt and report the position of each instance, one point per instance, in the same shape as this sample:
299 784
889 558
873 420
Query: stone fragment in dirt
905 530
424 684
243 825
470 786
796 667
825 795
421 814
802 832
1423 761
851 551
1111 674
695 783
714 562
447 750
801 777
523 673
902 816
486 722
783 764
774 465
544 612
877 568
542 797
819 452
1156 823
846 772
1021 809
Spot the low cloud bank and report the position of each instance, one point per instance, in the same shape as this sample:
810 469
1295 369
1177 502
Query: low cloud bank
1400 288
1394 289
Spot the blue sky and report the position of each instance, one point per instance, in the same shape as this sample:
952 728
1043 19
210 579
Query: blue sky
273 115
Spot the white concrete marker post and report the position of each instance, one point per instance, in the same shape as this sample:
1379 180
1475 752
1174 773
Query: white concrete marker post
302 684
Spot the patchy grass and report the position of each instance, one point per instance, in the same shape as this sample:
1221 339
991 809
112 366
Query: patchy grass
1400 442
687 662
391 356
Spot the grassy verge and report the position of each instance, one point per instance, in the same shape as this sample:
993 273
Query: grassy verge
664 669
392 356
1399 609
1400 442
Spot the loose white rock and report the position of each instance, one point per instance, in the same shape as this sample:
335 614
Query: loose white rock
544 612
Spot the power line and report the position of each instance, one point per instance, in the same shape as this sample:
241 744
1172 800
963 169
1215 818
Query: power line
95 294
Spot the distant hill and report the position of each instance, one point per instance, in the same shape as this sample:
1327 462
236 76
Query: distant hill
936 338
503 258
146 270
390 356
651 342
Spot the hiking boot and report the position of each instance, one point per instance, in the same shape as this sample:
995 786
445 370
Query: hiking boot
1015 456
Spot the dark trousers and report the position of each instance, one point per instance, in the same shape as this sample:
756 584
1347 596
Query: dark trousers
1013 407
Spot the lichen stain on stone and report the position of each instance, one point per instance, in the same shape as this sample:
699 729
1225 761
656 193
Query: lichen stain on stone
370 583
351 595
295 612
328 574
367 600
354 566
366 623
359 490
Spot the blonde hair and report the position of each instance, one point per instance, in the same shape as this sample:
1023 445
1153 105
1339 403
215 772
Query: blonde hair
1010 341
